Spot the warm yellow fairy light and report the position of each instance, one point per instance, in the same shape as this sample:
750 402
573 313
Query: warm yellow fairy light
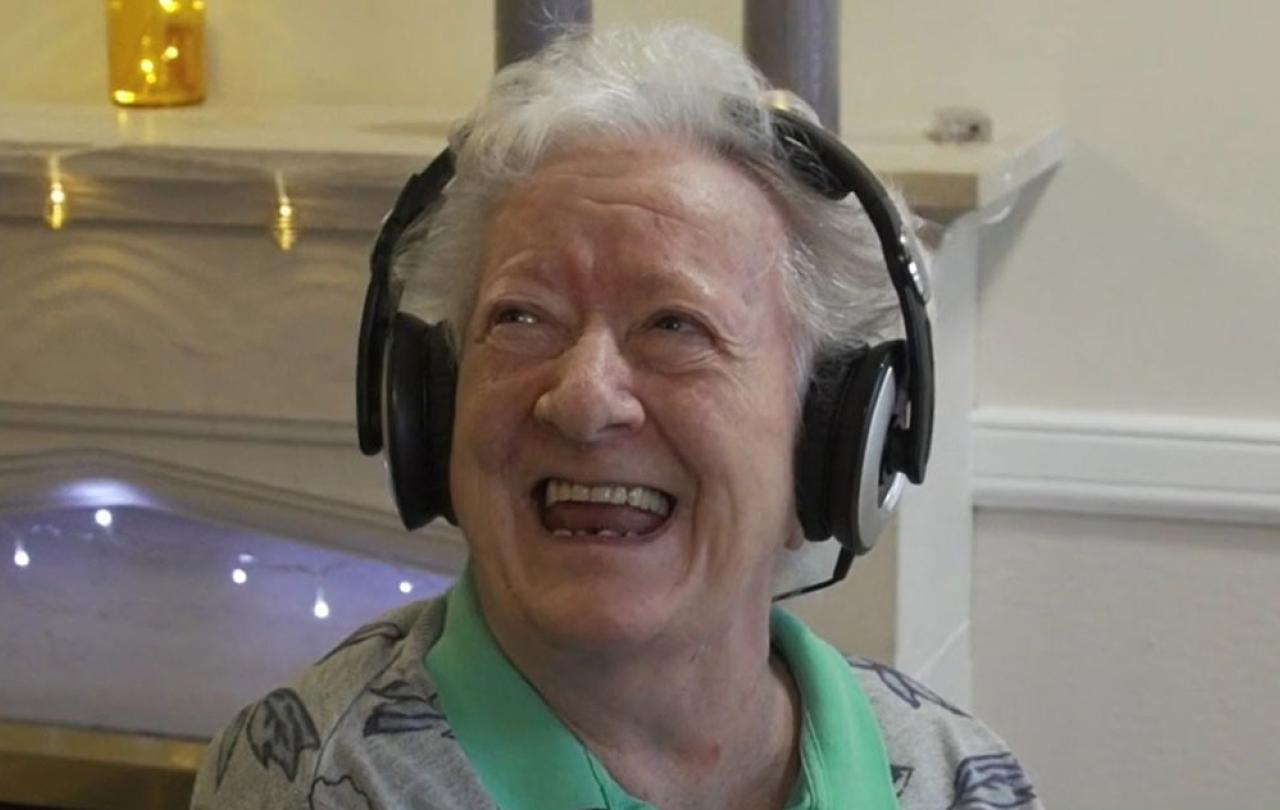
170 53
124 96
55 207
55 211
170 6
284 230
147 66
285 226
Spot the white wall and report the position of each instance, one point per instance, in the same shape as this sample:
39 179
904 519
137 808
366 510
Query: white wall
1131 662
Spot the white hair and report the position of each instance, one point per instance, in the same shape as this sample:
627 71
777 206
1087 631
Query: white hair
633 85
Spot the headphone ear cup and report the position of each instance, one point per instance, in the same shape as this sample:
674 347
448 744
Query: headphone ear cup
840 458
863 488
420 384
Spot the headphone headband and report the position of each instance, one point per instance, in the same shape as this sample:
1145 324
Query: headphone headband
867 417
839 173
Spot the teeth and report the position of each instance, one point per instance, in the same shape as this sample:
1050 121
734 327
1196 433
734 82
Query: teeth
639 497
585 533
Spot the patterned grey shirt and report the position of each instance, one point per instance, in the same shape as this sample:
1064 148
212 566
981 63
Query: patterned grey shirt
361 730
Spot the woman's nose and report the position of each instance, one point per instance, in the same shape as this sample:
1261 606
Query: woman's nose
591 397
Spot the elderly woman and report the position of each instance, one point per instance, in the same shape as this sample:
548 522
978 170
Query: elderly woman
636 285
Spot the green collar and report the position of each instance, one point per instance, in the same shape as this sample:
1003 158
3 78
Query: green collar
842 757
528 760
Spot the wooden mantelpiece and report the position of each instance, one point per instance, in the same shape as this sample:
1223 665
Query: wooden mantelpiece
246 407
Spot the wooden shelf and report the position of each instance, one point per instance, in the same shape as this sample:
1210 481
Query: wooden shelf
213 166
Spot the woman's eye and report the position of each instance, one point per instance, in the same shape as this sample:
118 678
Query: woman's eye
515 315
678 324
523 330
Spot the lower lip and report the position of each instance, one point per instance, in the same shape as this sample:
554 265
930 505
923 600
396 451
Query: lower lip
592 538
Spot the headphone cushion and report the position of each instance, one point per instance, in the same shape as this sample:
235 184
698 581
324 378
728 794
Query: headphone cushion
420 388
814 451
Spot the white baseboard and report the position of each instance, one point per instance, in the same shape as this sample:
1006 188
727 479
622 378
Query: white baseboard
1217 470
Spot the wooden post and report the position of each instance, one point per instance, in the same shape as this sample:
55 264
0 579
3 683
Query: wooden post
796 44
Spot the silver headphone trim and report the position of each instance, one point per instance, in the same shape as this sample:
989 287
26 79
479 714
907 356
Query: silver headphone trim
919 276
385 410
875 505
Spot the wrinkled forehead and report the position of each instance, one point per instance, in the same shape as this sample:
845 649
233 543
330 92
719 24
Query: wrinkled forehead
643 203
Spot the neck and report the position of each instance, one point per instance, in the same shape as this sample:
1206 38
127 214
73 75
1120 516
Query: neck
668 721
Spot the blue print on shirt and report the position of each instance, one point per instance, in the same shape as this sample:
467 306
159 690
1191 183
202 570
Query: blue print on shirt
911 691
993 781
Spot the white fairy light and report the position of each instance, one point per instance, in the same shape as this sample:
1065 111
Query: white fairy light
103 518
406 587
239 576
321 607
20 556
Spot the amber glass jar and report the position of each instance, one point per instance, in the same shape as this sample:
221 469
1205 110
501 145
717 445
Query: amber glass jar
155 50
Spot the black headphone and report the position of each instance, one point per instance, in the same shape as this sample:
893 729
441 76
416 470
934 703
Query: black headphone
868 413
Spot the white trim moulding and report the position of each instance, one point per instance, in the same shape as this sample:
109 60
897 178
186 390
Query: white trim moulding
1181 468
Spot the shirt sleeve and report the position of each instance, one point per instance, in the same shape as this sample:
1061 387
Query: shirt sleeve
239 773
940 756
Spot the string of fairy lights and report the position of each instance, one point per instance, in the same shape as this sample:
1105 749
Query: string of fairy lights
283 217
246 567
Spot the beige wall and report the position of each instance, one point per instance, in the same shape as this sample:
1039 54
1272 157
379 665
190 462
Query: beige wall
435 55
1131 662
1139 279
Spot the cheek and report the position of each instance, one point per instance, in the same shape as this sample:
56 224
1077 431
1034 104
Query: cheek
489 411
737 442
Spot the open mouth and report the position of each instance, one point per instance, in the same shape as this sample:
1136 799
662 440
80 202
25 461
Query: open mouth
573 508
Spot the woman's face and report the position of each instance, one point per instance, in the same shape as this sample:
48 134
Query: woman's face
625 417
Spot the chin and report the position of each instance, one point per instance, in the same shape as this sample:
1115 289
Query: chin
582 593
600 611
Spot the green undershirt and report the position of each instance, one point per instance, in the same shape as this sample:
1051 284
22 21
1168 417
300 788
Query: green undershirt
528 760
